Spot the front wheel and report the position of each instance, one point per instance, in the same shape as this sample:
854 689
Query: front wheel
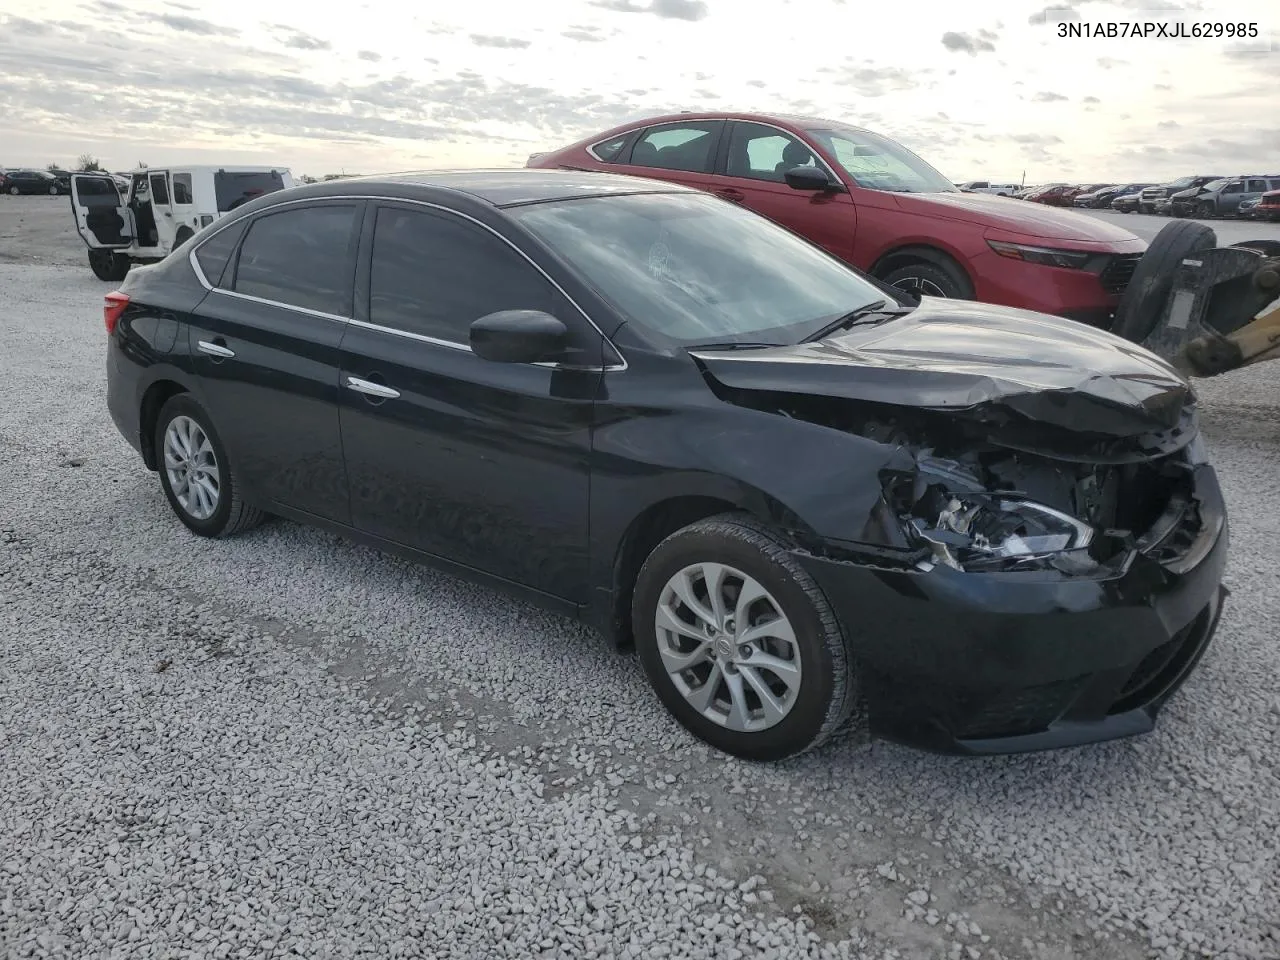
926 279
108 265
739 643
195 472
13 191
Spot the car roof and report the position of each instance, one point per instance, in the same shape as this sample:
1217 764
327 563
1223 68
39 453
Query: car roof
215 167
505 187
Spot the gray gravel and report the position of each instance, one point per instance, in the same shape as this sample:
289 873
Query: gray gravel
285 742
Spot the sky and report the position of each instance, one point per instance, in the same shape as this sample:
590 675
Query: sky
983 90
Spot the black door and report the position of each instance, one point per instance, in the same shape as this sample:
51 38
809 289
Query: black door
481 463
266 346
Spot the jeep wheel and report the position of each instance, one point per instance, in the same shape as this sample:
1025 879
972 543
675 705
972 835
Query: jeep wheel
108 265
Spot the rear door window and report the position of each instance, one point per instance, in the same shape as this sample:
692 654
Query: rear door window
301 257
678 146
182 188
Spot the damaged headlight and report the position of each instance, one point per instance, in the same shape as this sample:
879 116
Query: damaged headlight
967 528
973 533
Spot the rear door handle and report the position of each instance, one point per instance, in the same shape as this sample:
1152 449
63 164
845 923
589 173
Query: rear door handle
214 349
734 196
370 389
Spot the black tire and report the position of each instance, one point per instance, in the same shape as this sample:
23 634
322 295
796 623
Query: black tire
182 236
1144 298
916 278
232 515
827 693
14 191
108 265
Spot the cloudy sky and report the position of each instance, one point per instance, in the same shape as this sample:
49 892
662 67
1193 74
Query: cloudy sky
982 89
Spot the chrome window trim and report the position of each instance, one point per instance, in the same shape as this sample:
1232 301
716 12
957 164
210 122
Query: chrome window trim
451 344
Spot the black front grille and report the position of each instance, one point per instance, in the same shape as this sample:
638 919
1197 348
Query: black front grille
1117 274
1021 711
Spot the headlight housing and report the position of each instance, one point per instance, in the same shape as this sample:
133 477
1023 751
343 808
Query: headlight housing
1045 256
974 530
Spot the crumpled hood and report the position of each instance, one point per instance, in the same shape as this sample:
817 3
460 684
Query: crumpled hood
961 356
1014 216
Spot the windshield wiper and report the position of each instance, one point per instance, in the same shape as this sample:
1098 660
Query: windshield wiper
731 345
852 317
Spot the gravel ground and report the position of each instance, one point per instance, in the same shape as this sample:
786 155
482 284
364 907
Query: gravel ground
285 744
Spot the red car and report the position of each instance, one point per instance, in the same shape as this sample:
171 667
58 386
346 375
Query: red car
878 206
1268 207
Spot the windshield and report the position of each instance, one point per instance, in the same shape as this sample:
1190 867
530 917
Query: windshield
878 163
698 270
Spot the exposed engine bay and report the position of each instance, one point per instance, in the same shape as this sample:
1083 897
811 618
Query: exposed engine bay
963 492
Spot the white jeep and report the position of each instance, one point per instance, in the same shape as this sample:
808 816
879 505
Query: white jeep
160 210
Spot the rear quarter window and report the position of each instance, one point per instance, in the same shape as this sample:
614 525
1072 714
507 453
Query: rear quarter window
214 254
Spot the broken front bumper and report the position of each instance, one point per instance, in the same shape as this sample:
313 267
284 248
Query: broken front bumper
1008 662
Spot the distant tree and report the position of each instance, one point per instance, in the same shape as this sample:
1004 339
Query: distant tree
55 168
88 163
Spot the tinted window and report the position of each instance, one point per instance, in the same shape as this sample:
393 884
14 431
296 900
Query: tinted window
608 150
1257 186
696 269
434 274
160 190
215 253
302 257
236 189
1233 187
677 146
182 188
96 187
764 153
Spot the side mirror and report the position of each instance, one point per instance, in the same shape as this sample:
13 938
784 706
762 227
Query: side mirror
518 336
811 178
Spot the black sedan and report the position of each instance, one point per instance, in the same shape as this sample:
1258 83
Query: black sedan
32 182
801 495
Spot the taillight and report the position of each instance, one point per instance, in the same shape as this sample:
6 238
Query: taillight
113 307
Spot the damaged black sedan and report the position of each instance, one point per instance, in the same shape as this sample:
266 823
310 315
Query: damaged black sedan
802 496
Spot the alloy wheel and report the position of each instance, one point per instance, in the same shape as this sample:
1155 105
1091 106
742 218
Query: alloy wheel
728 647
192 467
920 286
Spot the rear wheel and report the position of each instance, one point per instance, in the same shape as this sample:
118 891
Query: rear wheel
13 191
1144 298
108 265
738 641
53 191
195 472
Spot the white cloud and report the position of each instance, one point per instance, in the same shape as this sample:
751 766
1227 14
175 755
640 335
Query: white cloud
369 87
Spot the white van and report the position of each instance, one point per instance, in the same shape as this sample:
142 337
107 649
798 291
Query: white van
984 186
161 209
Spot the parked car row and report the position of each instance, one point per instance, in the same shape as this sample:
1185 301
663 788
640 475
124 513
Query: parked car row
1205 196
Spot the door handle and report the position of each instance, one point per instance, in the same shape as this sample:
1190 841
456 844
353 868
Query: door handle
734 196
370 389
214 349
